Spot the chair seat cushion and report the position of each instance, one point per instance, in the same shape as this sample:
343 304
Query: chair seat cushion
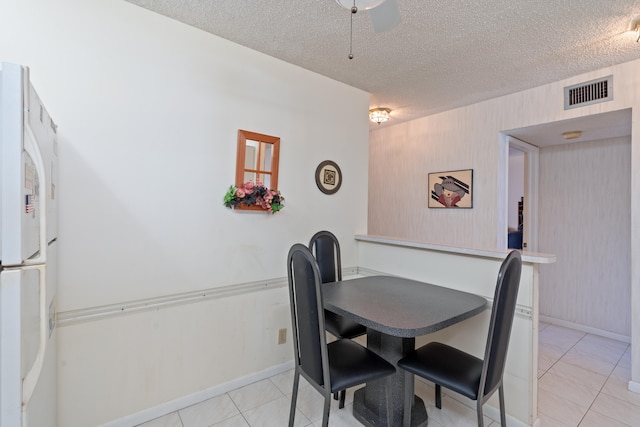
351 364
341 327
447 366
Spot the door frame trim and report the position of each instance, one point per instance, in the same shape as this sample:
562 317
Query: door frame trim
530 208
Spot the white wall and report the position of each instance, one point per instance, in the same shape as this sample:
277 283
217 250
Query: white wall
148 112
585 219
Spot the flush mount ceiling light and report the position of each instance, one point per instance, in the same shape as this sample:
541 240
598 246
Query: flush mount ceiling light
572 134
379 115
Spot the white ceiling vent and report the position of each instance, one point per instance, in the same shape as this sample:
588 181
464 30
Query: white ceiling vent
593 92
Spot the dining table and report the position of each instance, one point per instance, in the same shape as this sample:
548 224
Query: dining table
395 311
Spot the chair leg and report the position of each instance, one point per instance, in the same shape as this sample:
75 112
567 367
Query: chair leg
408 398
325 412
336 395
503 413
438 396
343 394
294 398
480 416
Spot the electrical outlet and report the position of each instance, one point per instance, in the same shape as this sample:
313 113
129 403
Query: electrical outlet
282 336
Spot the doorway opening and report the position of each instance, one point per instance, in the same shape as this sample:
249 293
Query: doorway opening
582 215
522 188
518 218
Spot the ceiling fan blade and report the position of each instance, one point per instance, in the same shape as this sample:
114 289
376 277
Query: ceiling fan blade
385 17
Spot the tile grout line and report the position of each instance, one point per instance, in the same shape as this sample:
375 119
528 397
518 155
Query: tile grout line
601 388
558 360
563 355
180 418
603 384
238 409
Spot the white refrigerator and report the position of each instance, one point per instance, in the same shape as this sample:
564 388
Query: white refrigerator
28 234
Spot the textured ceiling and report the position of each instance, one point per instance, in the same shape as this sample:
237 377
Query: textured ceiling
444 53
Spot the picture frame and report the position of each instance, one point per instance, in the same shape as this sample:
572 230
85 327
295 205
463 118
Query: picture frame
328 177
451 189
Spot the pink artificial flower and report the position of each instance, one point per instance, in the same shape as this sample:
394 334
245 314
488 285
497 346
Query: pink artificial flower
240 193
249 187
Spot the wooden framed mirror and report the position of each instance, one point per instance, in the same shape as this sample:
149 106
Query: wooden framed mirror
257 159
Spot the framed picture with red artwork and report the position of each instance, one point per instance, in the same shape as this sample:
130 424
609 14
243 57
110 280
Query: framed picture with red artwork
452 189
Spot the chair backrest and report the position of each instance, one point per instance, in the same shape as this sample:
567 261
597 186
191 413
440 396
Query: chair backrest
324 245
502 313
307 315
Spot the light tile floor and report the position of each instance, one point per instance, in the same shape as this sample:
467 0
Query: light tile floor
582 382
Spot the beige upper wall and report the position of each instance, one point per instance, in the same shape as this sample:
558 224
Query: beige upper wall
401 156
585 219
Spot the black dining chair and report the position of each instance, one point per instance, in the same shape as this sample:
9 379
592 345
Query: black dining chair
326 249
327 367
461 372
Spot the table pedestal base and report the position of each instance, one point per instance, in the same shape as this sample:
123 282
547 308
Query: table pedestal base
366 416
370 402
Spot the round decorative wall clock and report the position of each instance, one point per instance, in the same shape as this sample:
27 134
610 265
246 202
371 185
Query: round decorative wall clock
328 177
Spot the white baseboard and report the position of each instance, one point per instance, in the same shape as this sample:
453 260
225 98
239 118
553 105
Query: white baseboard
585 329
634 386
192 399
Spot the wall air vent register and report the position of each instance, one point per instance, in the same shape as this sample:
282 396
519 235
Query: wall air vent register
588 93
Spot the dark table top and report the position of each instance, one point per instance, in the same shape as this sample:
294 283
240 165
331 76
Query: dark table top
400 307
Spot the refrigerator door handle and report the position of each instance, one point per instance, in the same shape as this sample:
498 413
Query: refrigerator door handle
31 378
32 149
